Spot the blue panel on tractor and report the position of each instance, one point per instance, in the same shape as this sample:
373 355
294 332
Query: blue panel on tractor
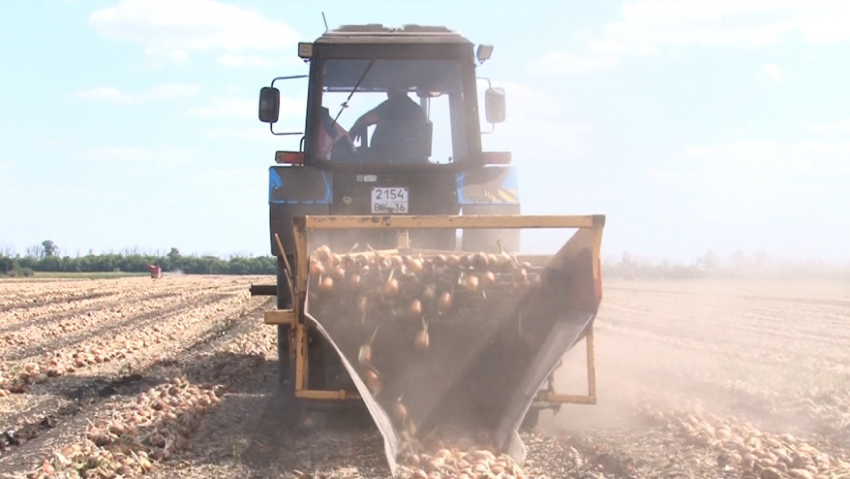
491 185
300 185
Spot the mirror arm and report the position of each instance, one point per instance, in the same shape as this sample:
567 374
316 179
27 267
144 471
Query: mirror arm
288 78
271 129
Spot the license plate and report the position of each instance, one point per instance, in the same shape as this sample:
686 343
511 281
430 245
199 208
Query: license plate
389 201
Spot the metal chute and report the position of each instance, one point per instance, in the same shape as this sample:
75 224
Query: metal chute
489 353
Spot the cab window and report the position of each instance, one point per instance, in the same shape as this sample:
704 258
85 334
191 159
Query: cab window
387 111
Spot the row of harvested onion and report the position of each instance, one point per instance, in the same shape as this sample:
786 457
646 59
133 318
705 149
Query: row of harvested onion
742 447
102 350
462 460
158 424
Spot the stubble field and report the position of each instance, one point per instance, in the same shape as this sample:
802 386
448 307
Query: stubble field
176 378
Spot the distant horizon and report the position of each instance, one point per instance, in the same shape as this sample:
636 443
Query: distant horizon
606 256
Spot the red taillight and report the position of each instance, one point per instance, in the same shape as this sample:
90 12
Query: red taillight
496 157
289 157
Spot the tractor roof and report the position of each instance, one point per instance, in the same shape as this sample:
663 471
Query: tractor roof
376 33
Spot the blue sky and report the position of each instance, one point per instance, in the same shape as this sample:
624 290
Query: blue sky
692 125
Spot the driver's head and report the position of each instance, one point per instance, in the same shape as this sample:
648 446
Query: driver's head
397 89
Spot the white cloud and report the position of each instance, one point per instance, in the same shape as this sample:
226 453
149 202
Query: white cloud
565 63
158 92
172 90
173 30
125 154
831 128
748 172
226 108
750 195
259 134
110 94
773 72
242 108
245 60
656 27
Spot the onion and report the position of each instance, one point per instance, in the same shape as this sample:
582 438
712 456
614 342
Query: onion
323 253
338 273
480 261
471 284
489 278
465 261
391 287
316 268
503 259
429 293
327 284
439 260
452 261
365 355
370 377
335 259
415 265
520 276
354 279
399 412
422 342
395 260
415 308
445 302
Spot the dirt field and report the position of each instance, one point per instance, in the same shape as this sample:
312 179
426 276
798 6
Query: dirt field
175 378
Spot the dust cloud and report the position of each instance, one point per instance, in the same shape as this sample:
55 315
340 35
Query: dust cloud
772 352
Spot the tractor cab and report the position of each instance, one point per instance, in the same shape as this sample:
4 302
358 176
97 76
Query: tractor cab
392 127
356 70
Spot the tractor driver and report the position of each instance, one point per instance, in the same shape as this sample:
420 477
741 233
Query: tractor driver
400 124
334 142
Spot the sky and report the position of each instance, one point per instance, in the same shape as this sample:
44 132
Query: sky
692 125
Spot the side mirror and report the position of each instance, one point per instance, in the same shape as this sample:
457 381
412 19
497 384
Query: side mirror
269 104
494 105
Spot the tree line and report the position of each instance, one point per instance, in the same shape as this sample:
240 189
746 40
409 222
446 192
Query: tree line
48 258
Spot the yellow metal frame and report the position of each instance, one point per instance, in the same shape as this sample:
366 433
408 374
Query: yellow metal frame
303 224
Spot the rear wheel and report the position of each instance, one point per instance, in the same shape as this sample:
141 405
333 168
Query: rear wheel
286 373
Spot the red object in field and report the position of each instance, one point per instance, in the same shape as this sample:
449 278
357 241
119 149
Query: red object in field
156 271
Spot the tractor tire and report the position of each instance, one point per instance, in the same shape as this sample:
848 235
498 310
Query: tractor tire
286 368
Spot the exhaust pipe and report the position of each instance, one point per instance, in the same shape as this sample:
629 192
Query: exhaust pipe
263 290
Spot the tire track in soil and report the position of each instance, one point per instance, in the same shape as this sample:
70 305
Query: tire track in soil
89 392
86 395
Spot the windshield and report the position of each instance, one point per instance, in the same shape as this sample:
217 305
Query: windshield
382 111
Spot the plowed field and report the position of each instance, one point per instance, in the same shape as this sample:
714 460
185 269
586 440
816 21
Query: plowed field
176 378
